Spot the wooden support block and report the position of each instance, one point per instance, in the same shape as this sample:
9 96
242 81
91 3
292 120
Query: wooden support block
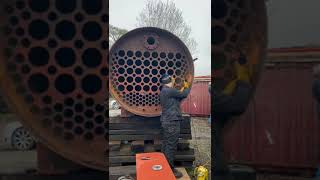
114 145
142 137
149 148
137 146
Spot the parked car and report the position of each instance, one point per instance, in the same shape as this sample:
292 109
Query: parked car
113 104
16 136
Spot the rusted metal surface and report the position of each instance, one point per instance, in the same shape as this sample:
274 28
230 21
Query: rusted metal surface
280 130
198 102
137 61
54 73
239 35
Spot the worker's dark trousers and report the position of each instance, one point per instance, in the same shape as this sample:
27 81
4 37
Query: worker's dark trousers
170 135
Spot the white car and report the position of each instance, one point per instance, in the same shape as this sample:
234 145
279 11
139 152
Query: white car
14 135
113 104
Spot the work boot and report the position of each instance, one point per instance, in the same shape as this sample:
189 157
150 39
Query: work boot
177 173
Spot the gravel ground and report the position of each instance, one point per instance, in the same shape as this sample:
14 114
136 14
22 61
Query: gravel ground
201 141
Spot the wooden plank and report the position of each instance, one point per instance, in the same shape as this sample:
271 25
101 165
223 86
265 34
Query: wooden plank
114 145
122 170
142 137
121 126
142 120
149 148
130 153
142 131
125 159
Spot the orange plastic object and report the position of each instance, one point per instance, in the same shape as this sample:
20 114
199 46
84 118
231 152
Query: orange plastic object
153 166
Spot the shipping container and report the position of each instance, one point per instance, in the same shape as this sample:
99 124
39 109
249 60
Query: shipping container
280 130
198 102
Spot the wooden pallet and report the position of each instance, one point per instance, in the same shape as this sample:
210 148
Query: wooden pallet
135 134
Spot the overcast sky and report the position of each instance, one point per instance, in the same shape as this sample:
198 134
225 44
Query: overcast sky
197 14
293 23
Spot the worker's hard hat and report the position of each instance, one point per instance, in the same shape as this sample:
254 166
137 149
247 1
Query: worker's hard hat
165 79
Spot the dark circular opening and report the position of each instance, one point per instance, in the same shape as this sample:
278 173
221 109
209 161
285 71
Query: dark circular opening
68 113
170 63
129 88
170 72
154 88
58 107
137 88
99 108
138 54
65 83
91 57
91 31
154 63
146 80
138 79
69 102
129 62
170 55
92 6
146 88
154 71
121 53
91 84
121 87
138 62
129 70
78 107
88 125
129 79
178 64
65 57
38 56
178 56
39 5
146 71
121 79
38 83
78 130
146 63
89 113
146 54
79 119
162 71
89 102
221 9
66 6
151 40
130 53
99 119
121 70
65 30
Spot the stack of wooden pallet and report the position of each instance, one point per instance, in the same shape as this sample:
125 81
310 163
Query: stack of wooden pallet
136 134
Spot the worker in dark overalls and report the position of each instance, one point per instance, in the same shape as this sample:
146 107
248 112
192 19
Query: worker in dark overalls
170 99
227 104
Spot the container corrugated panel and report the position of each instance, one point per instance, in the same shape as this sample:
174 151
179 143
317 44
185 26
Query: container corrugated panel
280 129
198 102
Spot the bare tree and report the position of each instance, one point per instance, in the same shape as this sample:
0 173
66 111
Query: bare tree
115 33
166 15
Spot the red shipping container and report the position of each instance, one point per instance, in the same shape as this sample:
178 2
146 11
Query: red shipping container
280 129
198 102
